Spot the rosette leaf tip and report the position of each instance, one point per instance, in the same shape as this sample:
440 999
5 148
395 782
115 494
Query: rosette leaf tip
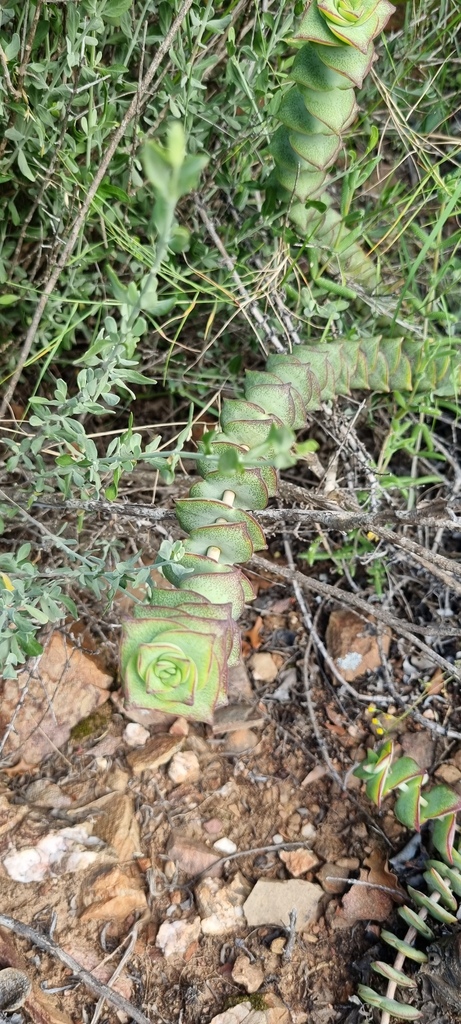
176 661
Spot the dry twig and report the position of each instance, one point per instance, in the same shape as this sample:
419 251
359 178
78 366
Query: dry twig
87 979
380 614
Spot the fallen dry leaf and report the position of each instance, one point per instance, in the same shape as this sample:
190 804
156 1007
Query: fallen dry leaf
436 684
64 687
379 874
353 644
314 775
368 902
363 903
254 634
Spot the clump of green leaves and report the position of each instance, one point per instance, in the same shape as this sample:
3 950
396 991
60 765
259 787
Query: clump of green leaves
57 454
414 806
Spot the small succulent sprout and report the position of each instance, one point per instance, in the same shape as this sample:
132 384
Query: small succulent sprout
178 662
354 22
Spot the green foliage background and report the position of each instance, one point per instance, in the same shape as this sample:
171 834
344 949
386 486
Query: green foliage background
69 73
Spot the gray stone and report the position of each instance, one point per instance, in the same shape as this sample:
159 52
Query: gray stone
271 902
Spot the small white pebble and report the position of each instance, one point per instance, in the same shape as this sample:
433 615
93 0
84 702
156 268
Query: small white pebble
277 839
308 831
135 735
169 870
184 767
225 846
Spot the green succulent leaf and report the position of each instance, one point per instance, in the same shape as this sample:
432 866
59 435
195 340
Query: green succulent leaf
438 802
176 664
248 486
453 876
199 611
231 539
435 882
392 1006
443 835
407 805
193 513
386 971
230 586
404 769
413 920
436 911
403 947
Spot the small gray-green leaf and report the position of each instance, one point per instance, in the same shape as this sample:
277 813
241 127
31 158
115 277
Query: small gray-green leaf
24 166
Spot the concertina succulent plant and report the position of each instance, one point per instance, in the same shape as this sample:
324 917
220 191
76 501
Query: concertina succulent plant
336 55
175 654
414 808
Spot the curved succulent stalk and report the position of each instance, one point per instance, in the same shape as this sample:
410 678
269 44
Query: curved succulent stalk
189 676
337 54
414 807
444 885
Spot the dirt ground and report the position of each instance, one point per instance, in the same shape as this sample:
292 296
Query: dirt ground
125 817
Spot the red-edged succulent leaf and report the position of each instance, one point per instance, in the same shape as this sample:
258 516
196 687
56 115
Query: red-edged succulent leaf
354 65
407 805
443 837
229 586
404 769
241 409
231 539
365 768
438 802
249 488
192 513
377 772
